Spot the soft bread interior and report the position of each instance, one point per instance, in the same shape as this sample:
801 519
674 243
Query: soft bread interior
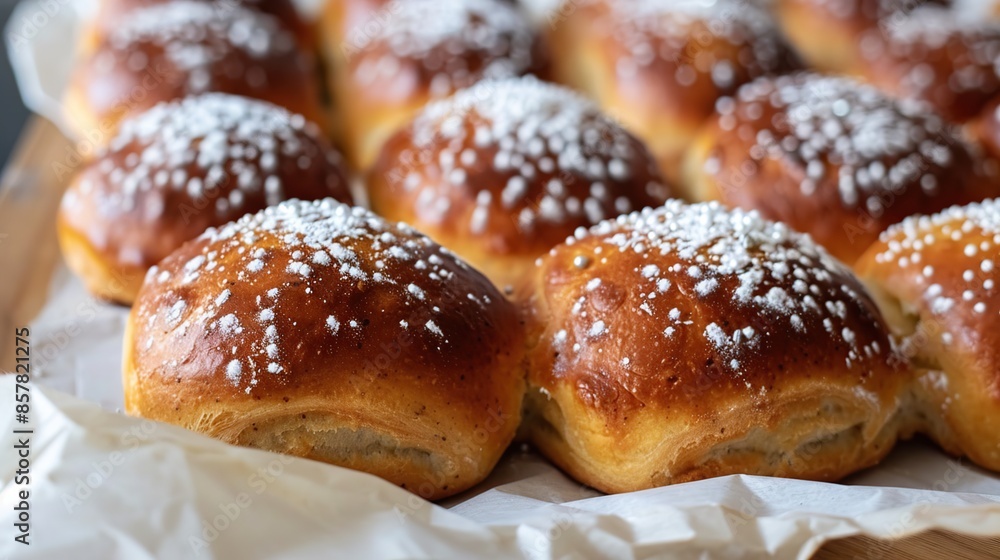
325 437
324 440
925 398
821 438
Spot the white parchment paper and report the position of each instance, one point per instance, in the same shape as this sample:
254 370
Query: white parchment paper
109 486
104 485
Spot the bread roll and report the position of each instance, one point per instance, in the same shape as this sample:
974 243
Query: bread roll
659 65
837 35
936 279
180 168
321 330
113 13
420 51
689 342
187 47
506 169
938 57
833 158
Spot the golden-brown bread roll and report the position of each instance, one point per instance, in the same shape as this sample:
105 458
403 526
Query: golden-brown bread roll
321 330
503 171
936 280
422 50
835 35
691 341
833 158
936 56
113 13
186 47
180 168
659 65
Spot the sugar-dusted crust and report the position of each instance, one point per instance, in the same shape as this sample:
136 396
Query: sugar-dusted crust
936 278
691 341
503 171
321 330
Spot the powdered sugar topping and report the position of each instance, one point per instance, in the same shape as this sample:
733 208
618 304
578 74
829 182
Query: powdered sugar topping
196 36
661 30
779 279
972 234
365 253
218 150
536 152
456 43
874 145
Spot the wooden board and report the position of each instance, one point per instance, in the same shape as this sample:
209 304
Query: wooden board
933 545
30 188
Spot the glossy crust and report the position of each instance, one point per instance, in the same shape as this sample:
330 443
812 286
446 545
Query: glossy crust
112 13
180 168
417 51
833 158
938 57
186 47
936 278
323 331
659 65
835 35
505 170
689 342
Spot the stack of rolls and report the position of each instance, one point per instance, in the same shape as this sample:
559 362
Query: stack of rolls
526 266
